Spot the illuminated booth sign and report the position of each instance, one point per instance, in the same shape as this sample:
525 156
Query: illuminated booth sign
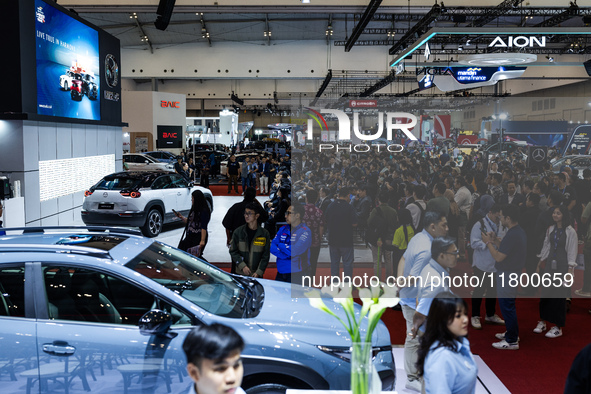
580 140
456 78
61 68
169 137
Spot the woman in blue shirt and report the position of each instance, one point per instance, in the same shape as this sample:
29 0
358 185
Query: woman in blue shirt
444 357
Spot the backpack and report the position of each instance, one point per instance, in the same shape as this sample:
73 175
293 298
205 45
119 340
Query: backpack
420 226
372 234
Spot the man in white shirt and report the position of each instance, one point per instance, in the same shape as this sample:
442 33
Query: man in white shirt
213 359
417 207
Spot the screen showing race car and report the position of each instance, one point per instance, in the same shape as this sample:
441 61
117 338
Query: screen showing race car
67 54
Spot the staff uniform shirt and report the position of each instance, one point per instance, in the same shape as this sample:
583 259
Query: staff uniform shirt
448 371
416 257
239 390
514 245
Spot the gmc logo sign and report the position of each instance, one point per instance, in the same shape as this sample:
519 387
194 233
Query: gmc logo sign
169 104
169 135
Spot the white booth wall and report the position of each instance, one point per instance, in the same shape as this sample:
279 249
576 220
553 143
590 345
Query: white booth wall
144 111
55 163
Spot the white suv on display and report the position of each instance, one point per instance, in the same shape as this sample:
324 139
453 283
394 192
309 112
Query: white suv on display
141 162
66 80
139 199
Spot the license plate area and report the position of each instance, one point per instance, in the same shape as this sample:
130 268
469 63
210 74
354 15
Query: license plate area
106 206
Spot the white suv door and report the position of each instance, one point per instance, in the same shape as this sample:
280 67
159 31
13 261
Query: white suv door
164 188
183 193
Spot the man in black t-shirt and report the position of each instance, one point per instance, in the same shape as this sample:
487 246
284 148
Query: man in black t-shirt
510 256
340 220
233 171
569 193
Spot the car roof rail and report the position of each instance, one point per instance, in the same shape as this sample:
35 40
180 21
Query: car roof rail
42 229
59 248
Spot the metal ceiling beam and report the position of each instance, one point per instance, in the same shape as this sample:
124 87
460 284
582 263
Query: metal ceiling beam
379 85
567 14
329 30
147 39
494 13
204 31
268 30
417 29
365 19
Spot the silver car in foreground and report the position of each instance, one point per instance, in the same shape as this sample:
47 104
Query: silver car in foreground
106 311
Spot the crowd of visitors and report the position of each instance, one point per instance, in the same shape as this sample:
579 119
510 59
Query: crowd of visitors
420 213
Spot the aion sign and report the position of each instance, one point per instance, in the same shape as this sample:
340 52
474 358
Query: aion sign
518 42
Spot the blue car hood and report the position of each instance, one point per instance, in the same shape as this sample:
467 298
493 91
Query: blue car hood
290 313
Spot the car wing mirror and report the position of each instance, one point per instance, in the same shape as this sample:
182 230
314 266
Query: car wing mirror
155 322
147 162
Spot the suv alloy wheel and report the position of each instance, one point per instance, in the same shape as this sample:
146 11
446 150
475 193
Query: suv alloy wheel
153 225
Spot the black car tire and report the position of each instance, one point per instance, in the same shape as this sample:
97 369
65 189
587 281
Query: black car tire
267 388
153 225
75 96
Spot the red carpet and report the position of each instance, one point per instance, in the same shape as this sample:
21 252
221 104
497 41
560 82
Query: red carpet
539 366
222 190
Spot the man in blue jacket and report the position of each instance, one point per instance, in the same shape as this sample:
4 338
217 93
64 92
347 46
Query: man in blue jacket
291 245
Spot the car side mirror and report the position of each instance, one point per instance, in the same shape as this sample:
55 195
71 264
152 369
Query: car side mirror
155 322
147 162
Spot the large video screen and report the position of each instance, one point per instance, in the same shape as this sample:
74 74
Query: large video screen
67 55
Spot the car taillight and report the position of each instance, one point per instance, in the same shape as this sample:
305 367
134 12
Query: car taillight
87 193
133 194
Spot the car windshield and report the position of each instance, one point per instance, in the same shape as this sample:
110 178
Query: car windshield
204 285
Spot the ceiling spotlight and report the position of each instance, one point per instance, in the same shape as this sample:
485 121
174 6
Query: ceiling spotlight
133 16
305 1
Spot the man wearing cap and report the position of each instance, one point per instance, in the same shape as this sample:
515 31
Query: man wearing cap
483 263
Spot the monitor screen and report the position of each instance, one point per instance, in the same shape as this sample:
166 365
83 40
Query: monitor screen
169 137
68 69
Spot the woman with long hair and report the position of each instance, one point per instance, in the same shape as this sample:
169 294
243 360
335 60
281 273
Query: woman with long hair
444 357
194 237
559 252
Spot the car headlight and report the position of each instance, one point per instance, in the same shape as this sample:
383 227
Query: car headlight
344 353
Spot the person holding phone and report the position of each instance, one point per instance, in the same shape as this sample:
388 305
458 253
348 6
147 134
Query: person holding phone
483 263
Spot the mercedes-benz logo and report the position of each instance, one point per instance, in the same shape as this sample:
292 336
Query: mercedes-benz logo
111 71
538 154
105 194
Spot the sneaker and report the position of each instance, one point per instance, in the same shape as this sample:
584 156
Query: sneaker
494 319
582 293
554 332
475 321
541 327
504 345
501 335
414 385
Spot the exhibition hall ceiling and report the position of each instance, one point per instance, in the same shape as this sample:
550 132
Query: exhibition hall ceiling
388 24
